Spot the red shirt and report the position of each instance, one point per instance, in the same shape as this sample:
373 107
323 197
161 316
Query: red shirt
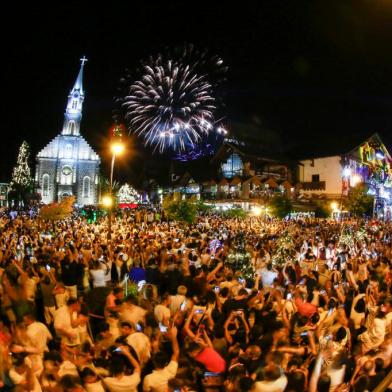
305 308
211 360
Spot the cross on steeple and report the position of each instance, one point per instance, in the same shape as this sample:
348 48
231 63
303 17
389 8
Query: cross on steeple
83 60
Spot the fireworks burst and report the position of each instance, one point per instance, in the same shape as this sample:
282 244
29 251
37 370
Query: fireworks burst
172 105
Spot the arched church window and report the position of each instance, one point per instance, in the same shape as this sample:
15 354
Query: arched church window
233 166
74 104
68 151
86 187
66 176
45 185
71 127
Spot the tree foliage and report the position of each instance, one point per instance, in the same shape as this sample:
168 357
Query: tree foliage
104 185
179 210
280 206
58 211
323 209
235 212
358 202
201 206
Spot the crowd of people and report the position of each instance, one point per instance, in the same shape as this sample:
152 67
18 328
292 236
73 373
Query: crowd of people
155 306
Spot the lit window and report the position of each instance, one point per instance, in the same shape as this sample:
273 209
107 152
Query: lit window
71 127
68 151
233 166
86 187
45 185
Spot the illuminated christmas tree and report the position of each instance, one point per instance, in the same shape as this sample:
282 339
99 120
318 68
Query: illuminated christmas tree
21 183
284 251
21 175
127 195
240 260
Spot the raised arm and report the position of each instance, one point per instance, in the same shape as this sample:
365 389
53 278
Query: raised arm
212 274
228 321
174 342
316 374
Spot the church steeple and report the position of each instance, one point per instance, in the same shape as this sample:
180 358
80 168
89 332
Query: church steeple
73 112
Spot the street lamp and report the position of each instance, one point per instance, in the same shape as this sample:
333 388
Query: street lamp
107 201
257 211
117 148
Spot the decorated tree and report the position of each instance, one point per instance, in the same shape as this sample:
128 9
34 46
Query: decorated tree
22 182
284 249
58 211
239 259
127 195
349 236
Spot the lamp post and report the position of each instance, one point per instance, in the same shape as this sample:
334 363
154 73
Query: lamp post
116 148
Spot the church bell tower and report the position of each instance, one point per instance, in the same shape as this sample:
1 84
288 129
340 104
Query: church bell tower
73 111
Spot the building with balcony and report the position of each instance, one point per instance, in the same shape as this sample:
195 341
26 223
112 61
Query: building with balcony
332 177
238 173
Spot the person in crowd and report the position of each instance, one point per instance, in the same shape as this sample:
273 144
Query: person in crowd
220 304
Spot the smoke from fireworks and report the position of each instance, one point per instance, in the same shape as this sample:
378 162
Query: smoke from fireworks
172 105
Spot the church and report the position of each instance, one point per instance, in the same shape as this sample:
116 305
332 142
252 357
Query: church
68 165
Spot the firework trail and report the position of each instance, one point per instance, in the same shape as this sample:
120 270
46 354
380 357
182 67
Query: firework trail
172 104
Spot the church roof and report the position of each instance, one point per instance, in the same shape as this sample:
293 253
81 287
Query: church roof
80 149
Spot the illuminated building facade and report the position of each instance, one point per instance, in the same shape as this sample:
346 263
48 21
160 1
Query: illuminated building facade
333 176
68 165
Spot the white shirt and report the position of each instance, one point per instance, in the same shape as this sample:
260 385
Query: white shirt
132 313
158 379
39 335
277 385
388 321
62 320
17 379
94 387
268 277
337 376
98 277
68 368
141 344
123 383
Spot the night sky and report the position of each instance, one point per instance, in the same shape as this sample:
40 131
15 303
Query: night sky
318 73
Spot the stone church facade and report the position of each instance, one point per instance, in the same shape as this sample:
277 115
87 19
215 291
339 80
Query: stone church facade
68 165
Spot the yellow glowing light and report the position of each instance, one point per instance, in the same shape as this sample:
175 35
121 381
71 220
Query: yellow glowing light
356 179
107 201
257 211
334 206
117 148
